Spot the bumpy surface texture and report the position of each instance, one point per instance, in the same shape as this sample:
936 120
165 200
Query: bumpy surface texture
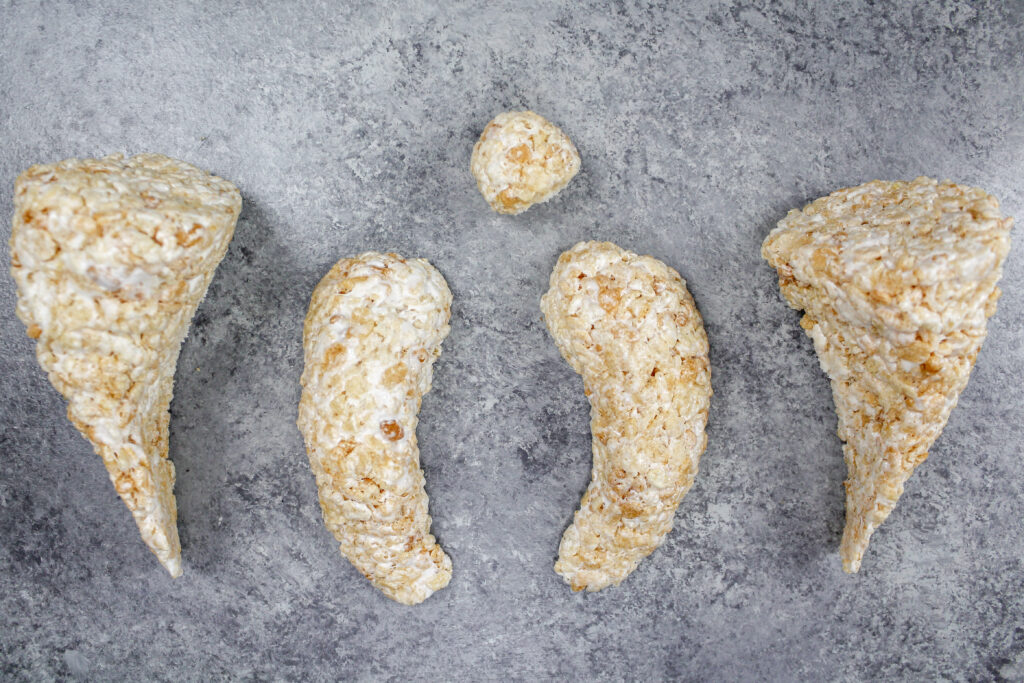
348 126
897 281
627 324
522 159
111 257
374 327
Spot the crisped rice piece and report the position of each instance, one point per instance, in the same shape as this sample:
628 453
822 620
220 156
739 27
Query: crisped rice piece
897 281
112 257
628 325
374 328
522 159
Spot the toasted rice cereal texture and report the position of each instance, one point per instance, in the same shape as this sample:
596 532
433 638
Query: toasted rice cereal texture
374 328
522 159
111 258
628 325
896 281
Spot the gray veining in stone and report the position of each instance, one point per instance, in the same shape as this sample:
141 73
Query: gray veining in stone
349 127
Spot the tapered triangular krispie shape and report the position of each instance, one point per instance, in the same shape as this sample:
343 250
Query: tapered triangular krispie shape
111 257
374 328
897 281
628 325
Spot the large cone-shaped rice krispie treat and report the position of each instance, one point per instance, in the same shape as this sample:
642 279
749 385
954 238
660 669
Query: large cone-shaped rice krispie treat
897 281
111 257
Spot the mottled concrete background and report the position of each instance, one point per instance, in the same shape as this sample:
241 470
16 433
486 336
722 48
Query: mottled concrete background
350 128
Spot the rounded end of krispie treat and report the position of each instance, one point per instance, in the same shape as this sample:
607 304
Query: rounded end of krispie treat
590 569
522 159
432 572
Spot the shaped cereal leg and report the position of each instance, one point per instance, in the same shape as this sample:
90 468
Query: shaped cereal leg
897 281
111 257
627 324
374 327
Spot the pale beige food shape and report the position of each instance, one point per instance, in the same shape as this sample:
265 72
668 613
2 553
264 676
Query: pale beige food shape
522 159
628 325
111 258
896 281
374 328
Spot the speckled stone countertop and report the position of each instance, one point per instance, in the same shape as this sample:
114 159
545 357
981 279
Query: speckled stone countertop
350 128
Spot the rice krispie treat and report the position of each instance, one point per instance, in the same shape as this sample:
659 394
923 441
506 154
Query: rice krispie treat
896 281
522 159
374 327
111 258
628 325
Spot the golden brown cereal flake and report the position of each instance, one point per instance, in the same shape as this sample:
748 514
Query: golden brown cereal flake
897 281
111 258
374 327
522 159
628 325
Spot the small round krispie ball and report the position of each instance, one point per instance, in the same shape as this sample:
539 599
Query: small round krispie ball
522 159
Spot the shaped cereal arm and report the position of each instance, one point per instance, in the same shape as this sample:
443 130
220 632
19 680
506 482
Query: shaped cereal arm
522 159
627 324
111 258
374 327
896 281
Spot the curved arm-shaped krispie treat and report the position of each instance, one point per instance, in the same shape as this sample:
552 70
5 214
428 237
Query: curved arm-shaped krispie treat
111 257
374 327
522 159
897 281
627 324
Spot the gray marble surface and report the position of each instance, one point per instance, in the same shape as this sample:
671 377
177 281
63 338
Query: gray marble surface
349 128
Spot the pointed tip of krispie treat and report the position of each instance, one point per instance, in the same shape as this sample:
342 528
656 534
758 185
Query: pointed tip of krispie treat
873 487
166 547
851 551
173 566
151 501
